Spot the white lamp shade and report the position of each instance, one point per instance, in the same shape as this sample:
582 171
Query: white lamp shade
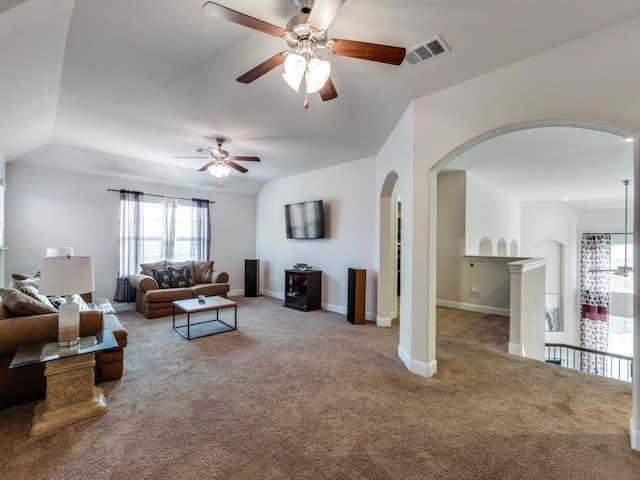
66 276
294 68
59 251
319 71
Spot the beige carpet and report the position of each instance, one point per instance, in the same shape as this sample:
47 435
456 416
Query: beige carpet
307 395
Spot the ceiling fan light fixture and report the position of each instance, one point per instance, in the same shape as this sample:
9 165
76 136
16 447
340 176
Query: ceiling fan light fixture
319 71
219 169
294 68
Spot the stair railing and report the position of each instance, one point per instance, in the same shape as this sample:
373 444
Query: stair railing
606 364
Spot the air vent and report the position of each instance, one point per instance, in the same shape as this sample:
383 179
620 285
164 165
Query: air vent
434 47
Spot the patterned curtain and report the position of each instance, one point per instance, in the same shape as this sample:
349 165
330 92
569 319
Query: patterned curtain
200 229
130 245
595 259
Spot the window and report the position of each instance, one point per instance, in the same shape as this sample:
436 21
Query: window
621 323
170 229
619 283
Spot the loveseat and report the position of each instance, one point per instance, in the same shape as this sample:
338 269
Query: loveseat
26 318
160 283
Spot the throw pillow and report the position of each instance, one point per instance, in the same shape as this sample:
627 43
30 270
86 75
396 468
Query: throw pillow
162 276
20 304
204 271
24 287
31 280
187 263
180 277
56 301
147 268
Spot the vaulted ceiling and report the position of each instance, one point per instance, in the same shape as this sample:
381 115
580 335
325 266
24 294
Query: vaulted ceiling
125 86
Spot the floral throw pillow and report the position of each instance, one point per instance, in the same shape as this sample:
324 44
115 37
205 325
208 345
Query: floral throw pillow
173 277
162 276
180 277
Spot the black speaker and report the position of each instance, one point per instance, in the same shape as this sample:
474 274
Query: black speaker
251 278
357 285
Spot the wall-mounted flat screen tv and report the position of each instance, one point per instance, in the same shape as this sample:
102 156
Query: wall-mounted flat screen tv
305 220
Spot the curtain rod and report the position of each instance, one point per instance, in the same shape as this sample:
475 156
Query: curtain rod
155 195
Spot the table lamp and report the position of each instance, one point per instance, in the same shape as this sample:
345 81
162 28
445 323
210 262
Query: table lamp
67 276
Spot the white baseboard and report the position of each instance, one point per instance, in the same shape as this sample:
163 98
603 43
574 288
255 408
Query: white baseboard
334 308
269 293
516 349
634 436
404 356
472 307
383 322
414 366
325 306
236 293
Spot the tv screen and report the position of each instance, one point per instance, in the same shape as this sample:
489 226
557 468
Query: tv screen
305 220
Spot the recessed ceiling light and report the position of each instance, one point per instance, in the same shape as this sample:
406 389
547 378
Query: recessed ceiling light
565 199
628 139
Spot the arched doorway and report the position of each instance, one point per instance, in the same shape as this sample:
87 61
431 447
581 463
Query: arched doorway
389 253
543 222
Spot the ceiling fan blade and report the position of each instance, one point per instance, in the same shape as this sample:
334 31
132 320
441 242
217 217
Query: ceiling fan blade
366 51
235 166
328 91
264 67
323 13
218 11
244 159
206 166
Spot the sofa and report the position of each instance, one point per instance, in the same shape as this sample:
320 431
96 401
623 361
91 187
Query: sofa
160 283
27 318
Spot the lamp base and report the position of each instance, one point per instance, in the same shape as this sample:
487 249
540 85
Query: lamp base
68 323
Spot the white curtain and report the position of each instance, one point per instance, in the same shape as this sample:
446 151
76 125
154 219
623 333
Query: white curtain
169 227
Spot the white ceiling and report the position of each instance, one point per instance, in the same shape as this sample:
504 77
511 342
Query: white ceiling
140 82
584 168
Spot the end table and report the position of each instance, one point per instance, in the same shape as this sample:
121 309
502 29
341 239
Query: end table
71 392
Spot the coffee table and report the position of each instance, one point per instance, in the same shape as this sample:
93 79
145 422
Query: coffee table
71 392
210 326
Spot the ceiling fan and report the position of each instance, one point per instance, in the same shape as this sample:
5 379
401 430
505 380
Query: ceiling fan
220 163
624 270
306 34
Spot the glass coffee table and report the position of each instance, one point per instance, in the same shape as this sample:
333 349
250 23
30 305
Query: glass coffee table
71 392
204 325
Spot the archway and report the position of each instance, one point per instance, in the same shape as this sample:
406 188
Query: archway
445 161
387 284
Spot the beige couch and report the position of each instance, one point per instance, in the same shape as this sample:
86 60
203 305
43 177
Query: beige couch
25 319
157 286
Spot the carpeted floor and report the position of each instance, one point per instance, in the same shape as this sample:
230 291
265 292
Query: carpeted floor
297 395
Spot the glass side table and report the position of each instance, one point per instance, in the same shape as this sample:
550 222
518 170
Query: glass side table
71 392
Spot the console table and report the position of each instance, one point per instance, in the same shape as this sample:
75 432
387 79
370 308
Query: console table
71 392
303 289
